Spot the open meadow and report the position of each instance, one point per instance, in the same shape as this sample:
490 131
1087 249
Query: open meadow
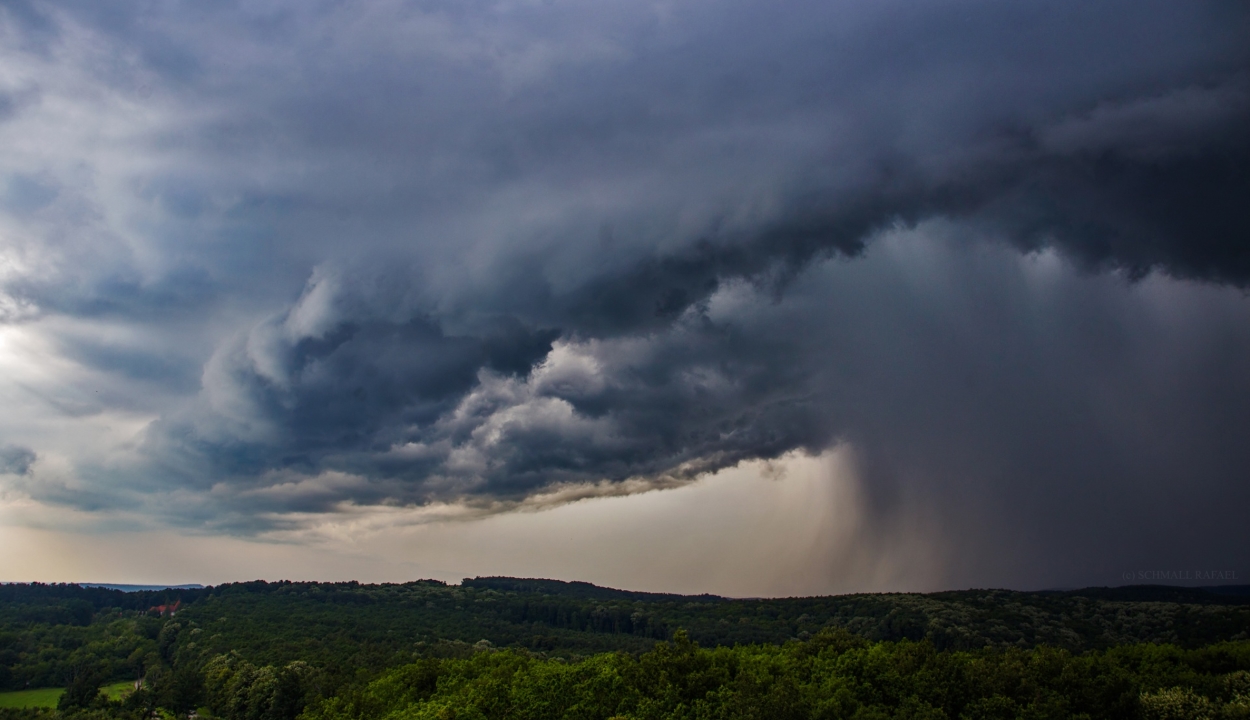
37 698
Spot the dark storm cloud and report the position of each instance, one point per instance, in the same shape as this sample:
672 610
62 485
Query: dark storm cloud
16 459
443 251
1061 426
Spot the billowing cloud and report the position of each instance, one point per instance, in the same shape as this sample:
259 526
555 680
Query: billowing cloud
313 259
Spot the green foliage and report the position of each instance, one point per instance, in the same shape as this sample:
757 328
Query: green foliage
1176 704
499 647
114 645
830 676
237 690
344 627
28 713
82 692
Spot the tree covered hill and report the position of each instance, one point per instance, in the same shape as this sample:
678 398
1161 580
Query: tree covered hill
48 630
521 648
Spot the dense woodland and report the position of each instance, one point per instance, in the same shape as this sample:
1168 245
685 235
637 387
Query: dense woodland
511 648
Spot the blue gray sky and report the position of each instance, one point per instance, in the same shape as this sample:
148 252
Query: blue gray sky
718 296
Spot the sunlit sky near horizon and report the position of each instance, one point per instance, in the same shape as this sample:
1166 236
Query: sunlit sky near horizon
715 296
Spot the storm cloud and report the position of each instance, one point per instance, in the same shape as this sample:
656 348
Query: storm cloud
16 460
317 257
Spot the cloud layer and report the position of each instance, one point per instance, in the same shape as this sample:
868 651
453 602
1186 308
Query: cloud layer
292 259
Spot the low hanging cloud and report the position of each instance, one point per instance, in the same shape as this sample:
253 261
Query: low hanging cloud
484 253
432 416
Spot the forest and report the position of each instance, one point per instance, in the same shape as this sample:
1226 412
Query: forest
520 648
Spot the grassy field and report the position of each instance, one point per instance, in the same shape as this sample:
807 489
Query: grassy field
118 690
41 697
48 697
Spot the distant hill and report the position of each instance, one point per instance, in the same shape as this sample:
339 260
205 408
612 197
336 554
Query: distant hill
575 589
1219 595
142 588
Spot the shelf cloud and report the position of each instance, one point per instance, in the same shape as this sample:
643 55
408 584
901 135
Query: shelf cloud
266 263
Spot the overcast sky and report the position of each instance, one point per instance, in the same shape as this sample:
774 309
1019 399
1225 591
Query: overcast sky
707 296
